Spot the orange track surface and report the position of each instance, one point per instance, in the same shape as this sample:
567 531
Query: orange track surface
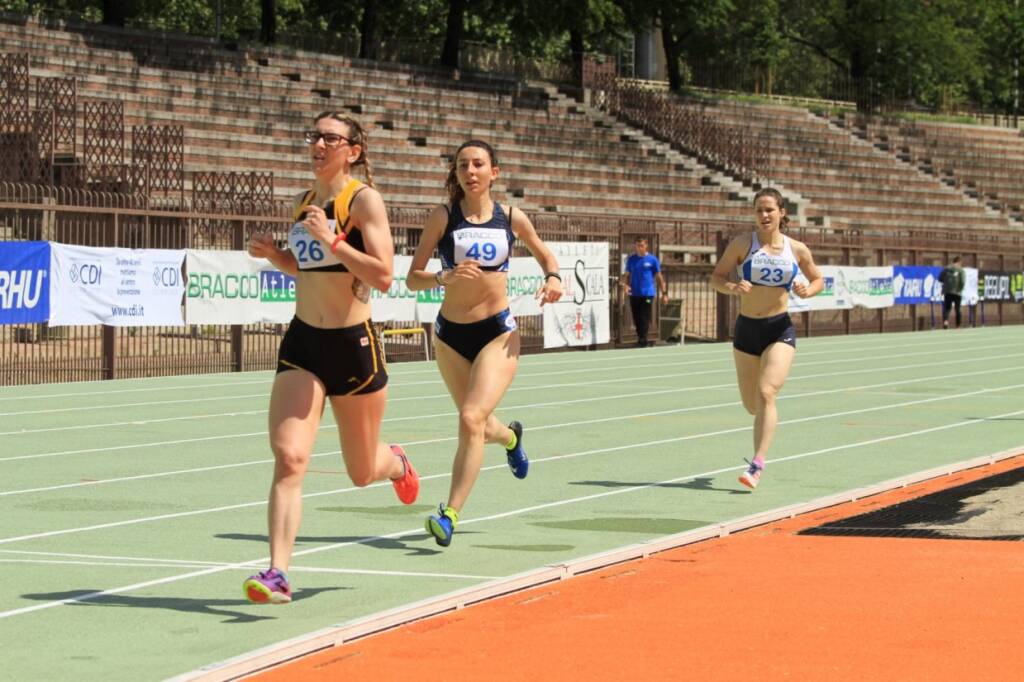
762 604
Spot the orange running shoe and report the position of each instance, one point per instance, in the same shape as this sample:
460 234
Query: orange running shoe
408 486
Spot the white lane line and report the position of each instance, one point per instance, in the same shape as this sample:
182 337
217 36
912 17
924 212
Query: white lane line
641 415
293 569
507 408
533 360
519 376
108 560
662 441
515 512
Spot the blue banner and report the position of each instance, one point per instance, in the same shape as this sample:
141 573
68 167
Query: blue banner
916 284
24 282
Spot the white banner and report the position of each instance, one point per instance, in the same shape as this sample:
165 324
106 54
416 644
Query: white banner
969 296
581 317
833 296
847 286
117 287
869 287
399 304
232 287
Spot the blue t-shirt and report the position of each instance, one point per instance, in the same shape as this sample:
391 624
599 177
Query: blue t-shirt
641 271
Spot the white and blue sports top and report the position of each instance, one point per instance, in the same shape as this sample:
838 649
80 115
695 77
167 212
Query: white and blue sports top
767 270
489 243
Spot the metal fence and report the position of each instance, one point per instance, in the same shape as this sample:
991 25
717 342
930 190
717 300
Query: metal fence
37 353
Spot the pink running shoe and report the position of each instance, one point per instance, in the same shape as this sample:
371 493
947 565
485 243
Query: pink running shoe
268 586
408 486
752 475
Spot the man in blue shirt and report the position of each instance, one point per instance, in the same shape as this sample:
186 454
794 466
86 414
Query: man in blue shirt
643 270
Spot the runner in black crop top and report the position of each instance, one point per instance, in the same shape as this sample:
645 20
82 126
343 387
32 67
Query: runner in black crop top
309 253
489 243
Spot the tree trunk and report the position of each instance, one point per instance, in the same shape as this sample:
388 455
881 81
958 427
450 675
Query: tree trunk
453 38
368 30
268 22
576 47
671 45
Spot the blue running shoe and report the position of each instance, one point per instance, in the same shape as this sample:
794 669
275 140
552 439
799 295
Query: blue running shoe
442 525
518 462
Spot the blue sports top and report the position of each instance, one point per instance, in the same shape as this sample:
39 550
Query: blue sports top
310 254
767 270
490 243
641 271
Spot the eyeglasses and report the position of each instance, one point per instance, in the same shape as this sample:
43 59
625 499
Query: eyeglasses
330 139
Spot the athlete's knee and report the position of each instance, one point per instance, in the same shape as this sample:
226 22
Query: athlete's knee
290 460
361 479
472 420
766 393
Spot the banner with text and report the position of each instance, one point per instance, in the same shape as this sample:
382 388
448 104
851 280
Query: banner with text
232 287
399 303
24 282
916 284
117 287
833 295
994 286
582 316
848 286
869 287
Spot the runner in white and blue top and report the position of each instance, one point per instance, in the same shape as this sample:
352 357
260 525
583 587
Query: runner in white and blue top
766 264
764 268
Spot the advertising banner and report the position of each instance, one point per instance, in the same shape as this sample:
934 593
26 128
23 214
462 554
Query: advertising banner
582 316
847 286
1017 287
117 287
399 303
994 286
834 295
869 287
24 282
916 284
232 287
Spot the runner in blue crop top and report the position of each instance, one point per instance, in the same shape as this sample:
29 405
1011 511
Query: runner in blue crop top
475 334
766 265
339 245
489 243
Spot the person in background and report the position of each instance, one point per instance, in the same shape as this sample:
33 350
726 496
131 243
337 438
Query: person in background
643 282
952 278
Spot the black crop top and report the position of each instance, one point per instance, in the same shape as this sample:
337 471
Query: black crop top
488 243
310 254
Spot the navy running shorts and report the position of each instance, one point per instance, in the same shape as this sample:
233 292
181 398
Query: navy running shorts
753 335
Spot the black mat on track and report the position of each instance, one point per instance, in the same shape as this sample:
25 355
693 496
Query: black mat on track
987 509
